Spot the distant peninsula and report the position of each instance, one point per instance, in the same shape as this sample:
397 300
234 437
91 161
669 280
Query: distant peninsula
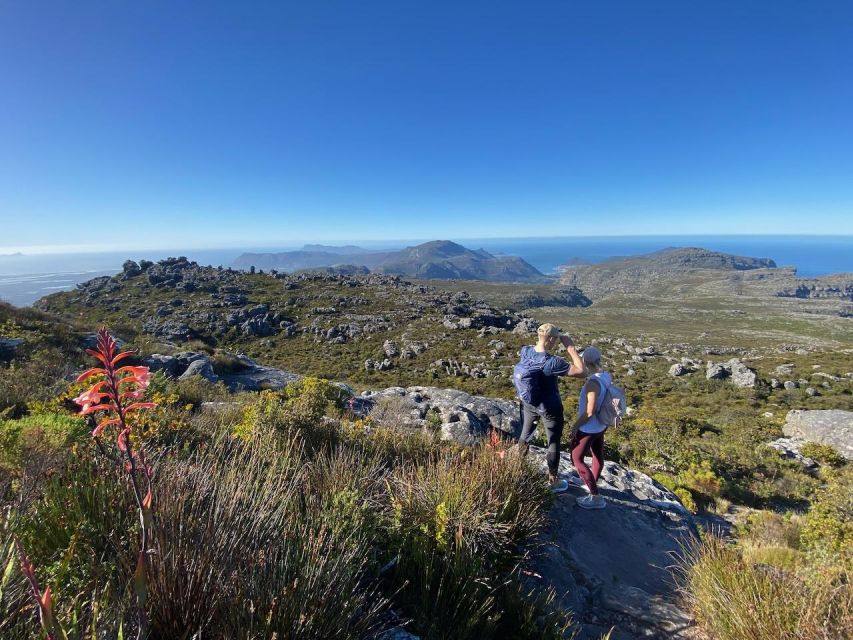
439 259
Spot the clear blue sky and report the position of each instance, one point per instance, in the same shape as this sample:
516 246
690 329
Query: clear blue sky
163 124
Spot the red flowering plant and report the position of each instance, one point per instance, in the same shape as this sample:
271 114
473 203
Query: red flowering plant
117 392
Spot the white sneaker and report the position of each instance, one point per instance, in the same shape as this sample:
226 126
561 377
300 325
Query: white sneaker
577 481
591 502
560 486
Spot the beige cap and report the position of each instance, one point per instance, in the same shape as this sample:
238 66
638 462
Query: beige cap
548 329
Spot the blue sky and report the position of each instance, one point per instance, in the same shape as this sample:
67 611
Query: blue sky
145 125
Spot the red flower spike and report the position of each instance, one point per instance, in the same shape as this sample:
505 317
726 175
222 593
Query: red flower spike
97 407
103 424
121 385
121 356
99 356
89 373
141 405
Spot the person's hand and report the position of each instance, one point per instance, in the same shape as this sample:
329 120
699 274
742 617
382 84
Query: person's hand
566 340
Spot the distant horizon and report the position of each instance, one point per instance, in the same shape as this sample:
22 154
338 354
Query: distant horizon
49 250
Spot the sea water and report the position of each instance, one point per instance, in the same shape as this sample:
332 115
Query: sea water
25 279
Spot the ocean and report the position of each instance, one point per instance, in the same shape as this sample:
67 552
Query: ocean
25 279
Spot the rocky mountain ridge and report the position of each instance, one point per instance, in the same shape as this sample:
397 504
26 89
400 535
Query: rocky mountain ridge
681 271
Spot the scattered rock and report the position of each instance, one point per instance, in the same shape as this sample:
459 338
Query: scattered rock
464 418
715 371
678 369
390 348
159 362
8 346
251 376
735 370
526 326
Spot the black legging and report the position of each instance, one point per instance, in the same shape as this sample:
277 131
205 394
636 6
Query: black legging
552 420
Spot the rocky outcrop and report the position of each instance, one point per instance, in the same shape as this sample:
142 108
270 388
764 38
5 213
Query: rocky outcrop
609 567
252 376
648 273
828 426
460 416
200 367
557 297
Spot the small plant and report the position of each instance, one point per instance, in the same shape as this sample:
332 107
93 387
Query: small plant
43 599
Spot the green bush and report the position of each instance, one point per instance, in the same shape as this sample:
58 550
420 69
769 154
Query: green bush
823 454
299 409
828 525
686 499
44 434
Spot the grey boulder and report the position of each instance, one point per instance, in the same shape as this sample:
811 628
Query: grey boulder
826 426
201 367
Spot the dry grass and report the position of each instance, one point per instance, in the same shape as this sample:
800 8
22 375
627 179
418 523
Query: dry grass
736 597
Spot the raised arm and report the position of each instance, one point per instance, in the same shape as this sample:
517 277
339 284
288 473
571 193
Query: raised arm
577 368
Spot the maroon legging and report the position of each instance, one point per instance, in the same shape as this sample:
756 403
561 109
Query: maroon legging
595 443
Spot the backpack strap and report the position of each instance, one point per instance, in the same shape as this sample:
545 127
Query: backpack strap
603 387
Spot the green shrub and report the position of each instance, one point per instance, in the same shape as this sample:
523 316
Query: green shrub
39 378
299 409
828 525
195 389
44 434
823 454
686 499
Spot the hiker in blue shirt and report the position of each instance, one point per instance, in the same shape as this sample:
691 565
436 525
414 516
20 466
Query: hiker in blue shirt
537 379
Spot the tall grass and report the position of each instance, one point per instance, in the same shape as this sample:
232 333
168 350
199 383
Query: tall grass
735 598
240 552
294 529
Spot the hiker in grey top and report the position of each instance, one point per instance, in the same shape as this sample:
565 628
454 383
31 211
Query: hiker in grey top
543 401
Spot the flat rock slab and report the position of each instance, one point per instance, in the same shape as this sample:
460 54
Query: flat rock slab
612 566
829 426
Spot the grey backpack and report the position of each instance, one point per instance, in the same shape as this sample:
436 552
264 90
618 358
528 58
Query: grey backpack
613 404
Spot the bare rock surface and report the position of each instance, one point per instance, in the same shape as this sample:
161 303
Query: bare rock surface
611 566
826 426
